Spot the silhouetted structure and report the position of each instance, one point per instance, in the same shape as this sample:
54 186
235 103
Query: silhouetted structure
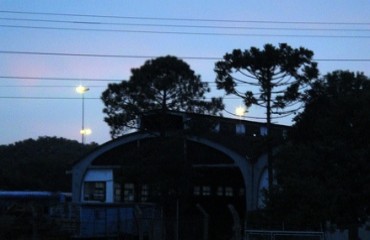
181 174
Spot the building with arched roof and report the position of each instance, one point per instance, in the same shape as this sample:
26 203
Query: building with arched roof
190 166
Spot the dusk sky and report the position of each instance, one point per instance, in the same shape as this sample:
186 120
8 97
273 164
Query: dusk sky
47 48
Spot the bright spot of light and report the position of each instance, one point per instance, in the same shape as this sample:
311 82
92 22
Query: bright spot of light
82 89
240 111
86 131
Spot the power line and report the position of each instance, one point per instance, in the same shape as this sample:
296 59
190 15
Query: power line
47 98
184 26
62 79
189 33
152 57
254 117
188 19
77 98
73 86
48 86
66 79
83 55
98 55
342 59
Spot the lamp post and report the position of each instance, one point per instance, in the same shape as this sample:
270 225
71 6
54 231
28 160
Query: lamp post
82 90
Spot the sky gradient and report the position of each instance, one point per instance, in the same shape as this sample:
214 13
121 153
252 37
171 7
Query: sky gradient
199 32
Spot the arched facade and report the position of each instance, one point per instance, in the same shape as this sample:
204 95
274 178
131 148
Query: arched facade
225 160
250 172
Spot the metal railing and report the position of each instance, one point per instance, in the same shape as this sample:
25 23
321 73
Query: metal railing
252 234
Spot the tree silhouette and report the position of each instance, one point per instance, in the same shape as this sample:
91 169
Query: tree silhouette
323 174
272 78
40 164
164 83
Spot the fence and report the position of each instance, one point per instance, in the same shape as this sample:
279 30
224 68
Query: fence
283 235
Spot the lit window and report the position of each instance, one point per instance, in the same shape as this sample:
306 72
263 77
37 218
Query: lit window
229 191
129 192
94 191
206 191
196 191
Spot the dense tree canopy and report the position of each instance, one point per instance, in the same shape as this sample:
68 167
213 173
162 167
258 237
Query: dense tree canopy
39 164
323 174
164 83
273 78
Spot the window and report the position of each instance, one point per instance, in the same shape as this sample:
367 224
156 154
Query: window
229 191
240 129
129 192
216 128
206 190
202 191
263 131
220 191
285 134
117 192
94 191
262 186
144 193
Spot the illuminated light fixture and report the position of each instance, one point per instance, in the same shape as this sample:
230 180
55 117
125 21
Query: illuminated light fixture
240 111
81 89
86 131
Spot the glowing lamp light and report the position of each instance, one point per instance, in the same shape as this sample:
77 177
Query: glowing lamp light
86 131
82 89
240 111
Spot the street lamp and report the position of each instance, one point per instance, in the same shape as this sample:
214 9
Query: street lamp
82 90
240 111
86 131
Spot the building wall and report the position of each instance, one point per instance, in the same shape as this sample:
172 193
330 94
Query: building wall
104 176
226 160
82 170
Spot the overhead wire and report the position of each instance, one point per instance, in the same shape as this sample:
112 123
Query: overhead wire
165 32
61 78
183 26
192 20
65 54
74 98
185 19
189 33
48 98
48 86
